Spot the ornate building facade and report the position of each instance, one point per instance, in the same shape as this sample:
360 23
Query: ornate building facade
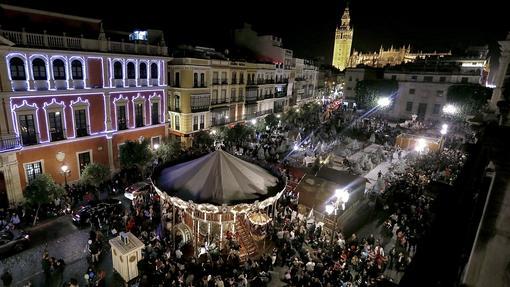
390 57
71 101
343 42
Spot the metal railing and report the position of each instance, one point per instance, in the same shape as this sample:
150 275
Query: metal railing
79 43
219 101
82 132
10 143
196 109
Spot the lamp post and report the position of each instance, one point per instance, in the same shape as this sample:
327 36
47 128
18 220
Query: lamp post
341 198
444 132
65 171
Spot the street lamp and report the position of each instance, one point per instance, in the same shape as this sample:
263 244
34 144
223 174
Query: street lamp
383 102
65 171
342 197
156 146
444 129
253 121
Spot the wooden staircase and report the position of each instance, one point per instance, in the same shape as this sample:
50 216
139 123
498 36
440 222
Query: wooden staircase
248 246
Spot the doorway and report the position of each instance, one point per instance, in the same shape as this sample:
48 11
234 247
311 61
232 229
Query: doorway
4 200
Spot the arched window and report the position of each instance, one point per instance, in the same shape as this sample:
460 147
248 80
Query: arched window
117 70
143 70
39 69
77 70
154 71
177 123
131 70
59 70
17 69
195 80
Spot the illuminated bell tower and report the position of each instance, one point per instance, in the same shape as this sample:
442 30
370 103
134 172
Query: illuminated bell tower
343 42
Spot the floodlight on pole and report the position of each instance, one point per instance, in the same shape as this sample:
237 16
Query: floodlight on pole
450 109
383 102
342 195
444 129
330 209
420 145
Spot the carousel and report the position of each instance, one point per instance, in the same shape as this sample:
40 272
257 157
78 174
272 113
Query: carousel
220 201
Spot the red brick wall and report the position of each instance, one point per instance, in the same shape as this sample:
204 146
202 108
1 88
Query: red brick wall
95 72
51 166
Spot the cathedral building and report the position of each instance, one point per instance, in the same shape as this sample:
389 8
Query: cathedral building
342 57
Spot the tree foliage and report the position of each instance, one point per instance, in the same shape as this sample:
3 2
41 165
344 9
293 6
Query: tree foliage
135 154
95 175
237 135
42 190
169 149
202 139
367 91
470 98
271 121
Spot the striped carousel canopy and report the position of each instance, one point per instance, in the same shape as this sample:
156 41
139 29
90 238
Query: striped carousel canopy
217 178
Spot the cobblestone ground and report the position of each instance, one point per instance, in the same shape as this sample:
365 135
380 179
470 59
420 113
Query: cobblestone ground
63 240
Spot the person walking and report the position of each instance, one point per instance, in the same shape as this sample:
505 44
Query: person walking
6 278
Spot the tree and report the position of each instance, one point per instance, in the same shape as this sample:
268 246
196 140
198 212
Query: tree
470 98
42 190
95 175
135 154
202 140
271 121
367 91
238 135
169 150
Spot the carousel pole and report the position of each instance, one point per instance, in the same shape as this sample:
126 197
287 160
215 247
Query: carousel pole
173 225
194 234
221 230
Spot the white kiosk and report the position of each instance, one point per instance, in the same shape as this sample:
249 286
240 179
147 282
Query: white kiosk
126 252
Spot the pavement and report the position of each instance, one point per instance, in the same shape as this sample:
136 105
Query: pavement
63 240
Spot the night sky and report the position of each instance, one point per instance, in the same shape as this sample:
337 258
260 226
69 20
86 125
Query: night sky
308 29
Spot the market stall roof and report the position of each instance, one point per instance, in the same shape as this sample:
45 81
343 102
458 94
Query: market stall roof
218 178
315 192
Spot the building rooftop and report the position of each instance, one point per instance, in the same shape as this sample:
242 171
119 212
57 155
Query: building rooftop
50 30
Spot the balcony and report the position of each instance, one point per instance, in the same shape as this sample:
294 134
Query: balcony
122 126
215 82
57 135
82 132
220 121
22 38
176 85
280 94
10 143
224 82
219 101
197 109
233 82
199 86
29 139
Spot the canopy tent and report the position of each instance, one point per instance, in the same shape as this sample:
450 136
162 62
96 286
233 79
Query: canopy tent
372 175
218 178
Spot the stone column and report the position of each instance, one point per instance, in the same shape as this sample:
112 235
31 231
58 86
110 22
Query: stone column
9 167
